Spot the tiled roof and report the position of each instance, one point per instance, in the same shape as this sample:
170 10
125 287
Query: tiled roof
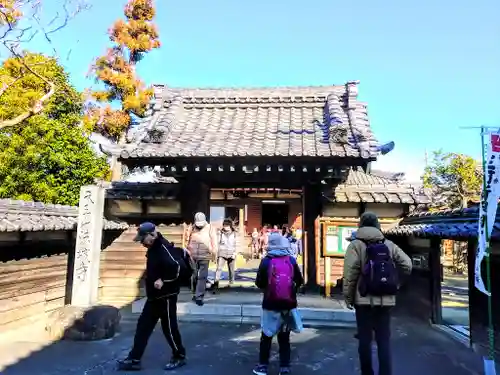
371 188
358 187
322 121
142 190
450 224
22 216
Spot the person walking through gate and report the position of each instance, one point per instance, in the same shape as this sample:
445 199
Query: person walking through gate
166 266
279 277
226 253
202 246
254 244
370 285
287 233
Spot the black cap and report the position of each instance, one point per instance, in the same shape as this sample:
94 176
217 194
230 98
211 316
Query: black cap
143 230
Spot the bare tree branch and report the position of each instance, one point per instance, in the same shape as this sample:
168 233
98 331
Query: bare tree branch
6 86
14 36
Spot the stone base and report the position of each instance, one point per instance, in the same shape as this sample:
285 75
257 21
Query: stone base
83 323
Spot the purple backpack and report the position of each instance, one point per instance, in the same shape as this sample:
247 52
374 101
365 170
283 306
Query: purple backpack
280 281
379 276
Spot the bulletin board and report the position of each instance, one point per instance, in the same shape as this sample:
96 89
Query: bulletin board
335 237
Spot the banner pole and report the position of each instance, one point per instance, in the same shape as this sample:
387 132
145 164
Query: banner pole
489 365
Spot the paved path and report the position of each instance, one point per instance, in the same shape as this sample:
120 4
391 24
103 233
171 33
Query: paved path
215 349
241 296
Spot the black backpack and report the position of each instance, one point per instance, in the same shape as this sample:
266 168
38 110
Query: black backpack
379 275
182 257
186 267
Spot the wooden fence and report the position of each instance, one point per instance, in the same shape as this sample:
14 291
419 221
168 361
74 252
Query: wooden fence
33 276
123 264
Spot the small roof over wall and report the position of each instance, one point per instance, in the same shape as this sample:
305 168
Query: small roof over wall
324 121
378 187
23 216
450 224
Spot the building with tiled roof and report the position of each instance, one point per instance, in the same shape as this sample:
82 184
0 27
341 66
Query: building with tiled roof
258 156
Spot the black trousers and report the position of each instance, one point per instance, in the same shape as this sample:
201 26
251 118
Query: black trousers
165 310
199 279
284 348
370 320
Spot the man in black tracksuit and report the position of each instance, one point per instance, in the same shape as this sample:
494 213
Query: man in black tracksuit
164 267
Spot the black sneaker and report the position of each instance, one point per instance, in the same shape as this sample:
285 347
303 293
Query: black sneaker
215 288
199 302
285 370
175 363
128 364
260 370
193 299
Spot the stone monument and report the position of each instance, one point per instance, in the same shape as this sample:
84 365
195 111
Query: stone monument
88 246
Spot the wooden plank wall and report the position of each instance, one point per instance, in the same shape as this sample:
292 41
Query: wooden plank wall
30 289
123 264
336 271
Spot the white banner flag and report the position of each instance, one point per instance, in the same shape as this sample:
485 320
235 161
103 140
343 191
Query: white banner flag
488 206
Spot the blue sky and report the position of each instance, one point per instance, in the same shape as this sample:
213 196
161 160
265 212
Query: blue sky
425 69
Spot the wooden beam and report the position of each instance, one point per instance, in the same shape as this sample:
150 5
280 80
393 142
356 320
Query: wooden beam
310 161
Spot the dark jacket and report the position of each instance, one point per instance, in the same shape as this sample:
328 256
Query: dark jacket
263 278
163 262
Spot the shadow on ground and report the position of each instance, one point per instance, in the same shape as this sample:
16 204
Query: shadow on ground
229 348
417 349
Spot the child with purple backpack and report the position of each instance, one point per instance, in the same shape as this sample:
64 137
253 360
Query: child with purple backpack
278 277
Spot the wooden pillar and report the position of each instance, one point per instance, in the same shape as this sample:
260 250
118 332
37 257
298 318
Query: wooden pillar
195 197
435 268
312 209
328 277
361 208
471 264
241 221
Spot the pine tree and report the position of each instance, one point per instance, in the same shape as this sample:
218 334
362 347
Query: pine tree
132 38
453 179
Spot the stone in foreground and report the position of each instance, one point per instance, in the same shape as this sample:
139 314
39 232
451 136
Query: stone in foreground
84 323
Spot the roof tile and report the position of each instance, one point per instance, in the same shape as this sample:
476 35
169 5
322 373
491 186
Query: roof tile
360 186
23 216
320 121
452 224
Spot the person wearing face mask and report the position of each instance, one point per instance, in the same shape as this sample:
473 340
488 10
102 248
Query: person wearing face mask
166 266
226 253
202 246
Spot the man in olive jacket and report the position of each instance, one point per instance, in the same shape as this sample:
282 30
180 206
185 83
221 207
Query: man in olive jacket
373 313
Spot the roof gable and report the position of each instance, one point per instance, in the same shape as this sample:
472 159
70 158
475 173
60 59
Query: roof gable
360 186
324 121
